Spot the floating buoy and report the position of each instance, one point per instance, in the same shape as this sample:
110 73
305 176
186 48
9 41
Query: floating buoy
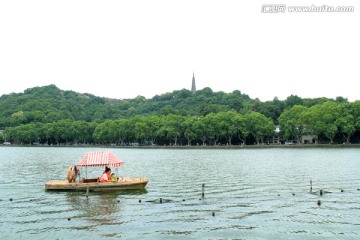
139 200
293 194
11 199
69 219
342 190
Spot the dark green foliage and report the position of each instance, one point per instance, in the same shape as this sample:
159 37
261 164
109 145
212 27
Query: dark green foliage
50 115
49 104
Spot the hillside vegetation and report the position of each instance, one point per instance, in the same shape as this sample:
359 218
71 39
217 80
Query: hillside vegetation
47 114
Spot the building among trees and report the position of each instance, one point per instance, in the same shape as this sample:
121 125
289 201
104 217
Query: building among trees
193 86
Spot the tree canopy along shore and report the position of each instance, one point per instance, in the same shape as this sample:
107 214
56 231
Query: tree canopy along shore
260 146
50 116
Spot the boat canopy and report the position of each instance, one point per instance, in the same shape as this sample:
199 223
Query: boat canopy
101 158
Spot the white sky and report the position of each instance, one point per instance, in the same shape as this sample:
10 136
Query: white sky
125 48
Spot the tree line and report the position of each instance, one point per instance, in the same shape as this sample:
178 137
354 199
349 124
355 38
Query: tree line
329 122
50 104
212 129
48 115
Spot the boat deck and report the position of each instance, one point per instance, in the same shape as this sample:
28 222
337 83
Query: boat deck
123 183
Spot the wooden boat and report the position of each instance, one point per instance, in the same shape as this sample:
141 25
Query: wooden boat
124 183
103 158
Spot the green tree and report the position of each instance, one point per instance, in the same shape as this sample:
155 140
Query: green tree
227 124
102 133
172 127
321 119
241 127
201 130
346 121
259 126
354 109
293 100
146 128
292 123
62 131
213 131
81 131
189 129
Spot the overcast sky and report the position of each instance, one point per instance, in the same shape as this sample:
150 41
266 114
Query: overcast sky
125 48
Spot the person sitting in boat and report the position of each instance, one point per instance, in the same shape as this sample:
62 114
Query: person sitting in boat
113 177
105 177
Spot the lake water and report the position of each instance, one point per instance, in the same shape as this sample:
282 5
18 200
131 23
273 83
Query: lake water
249 194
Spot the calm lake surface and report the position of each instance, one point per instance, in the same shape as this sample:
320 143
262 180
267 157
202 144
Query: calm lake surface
249 194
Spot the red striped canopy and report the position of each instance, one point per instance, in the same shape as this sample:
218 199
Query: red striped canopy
103 158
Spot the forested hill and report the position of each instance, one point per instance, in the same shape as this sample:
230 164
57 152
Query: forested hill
49 104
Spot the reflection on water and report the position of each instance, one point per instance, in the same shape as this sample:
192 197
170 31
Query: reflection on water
248 194
100 206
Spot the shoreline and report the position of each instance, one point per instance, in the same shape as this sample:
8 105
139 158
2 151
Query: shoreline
199 147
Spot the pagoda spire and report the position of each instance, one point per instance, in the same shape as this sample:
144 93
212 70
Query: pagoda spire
193 86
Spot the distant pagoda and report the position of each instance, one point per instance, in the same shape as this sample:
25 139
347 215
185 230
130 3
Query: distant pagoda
193 86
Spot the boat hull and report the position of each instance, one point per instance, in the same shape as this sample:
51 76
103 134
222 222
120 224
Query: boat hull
121 184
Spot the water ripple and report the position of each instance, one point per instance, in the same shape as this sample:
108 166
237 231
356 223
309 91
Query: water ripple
252 193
